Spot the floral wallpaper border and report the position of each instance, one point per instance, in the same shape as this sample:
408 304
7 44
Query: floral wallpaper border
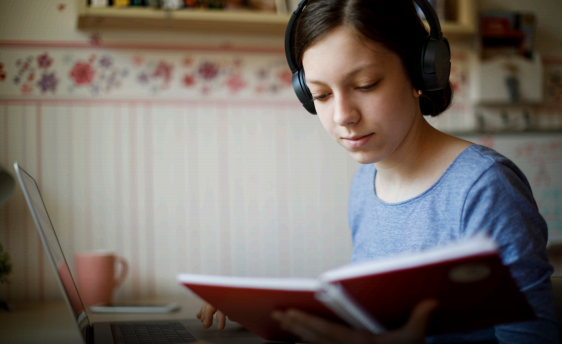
94 73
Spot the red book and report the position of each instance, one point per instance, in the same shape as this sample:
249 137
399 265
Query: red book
474 290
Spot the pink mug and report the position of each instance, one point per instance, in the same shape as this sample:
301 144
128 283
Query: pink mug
95 274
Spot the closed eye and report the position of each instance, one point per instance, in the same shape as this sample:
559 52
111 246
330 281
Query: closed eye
321 97
368 87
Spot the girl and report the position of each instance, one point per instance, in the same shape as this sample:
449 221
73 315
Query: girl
417 187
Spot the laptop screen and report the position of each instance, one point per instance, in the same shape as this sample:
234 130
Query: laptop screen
53 248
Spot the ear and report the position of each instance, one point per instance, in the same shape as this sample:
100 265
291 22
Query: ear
415 92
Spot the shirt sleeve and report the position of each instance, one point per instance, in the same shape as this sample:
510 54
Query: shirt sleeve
501 203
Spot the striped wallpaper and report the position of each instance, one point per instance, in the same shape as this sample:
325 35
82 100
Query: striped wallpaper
180 160
214 188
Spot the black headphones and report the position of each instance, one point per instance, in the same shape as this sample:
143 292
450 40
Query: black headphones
431 71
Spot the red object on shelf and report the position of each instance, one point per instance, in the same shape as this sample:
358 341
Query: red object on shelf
495 26
511 30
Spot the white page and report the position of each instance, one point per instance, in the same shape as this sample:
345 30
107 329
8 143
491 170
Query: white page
297 284
480 244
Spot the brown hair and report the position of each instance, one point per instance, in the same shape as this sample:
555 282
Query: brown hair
393 23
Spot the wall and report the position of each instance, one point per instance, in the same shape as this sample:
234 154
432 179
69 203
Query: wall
183 152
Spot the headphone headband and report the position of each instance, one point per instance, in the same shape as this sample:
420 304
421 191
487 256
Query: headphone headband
431 17
290 35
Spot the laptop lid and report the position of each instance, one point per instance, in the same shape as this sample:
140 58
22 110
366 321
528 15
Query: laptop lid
53 249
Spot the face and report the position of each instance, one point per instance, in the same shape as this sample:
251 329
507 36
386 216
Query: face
362 94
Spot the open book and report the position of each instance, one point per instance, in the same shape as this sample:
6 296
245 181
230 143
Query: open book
474 290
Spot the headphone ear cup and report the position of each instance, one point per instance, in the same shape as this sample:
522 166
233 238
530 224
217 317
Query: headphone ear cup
434 67
302 91
417 79
443 63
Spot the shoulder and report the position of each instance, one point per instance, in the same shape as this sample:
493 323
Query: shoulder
488 170
482 167
478 159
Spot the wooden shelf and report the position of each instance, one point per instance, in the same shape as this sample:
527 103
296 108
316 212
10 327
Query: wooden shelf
465 25
456 30
226 21
195 20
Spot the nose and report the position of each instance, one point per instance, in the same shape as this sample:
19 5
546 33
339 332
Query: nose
345 111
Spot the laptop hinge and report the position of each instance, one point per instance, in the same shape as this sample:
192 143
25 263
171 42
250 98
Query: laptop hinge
90 334
117 337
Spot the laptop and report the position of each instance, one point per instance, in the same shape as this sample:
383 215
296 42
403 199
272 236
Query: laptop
149 331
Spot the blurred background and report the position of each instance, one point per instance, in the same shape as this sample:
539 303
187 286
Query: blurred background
168 132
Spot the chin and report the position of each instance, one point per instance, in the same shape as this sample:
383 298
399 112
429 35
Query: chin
365 157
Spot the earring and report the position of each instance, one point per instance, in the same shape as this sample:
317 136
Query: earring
420 92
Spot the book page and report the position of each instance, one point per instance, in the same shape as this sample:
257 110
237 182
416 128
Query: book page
476 245
301 284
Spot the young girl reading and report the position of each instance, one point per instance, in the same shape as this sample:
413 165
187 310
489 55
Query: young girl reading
417 187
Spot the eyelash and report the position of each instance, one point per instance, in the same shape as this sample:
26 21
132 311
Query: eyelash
368 87
320 97
363 88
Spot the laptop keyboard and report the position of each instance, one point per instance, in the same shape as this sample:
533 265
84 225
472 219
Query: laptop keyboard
151 332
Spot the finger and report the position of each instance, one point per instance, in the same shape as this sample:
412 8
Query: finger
202 311
209 312
300 330
208 316
290 324
317 330
221 320
417 323
278 315
309 329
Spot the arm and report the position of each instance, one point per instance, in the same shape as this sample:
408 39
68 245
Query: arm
501 203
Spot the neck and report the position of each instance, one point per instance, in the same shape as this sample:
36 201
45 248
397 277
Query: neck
412 157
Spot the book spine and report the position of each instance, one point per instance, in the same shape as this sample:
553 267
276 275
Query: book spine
336 298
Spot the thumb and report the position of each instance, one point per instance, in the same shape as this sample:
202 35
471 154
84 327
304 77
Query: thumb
417 323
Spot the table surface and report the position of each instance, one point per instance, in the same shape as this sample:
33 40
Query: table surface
51 322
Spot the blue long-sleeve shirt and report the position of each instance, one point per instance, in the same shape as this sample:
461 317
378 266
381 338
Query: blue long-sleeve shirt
481 191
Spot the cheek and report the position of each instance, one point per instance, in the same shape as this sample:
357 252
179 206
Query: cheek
394 108
327 123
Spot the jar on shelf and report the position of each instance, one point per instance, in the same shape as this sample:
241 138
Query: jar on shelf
172 4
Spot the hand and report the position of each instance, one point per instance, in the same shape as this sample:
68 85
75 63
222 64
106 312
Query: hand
312 329
206 315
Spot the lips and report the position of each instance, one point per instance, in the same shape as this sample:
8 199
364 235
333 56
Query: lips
357 141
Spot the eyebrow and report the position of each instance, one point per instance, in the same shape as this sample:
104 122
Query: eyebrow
353 72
